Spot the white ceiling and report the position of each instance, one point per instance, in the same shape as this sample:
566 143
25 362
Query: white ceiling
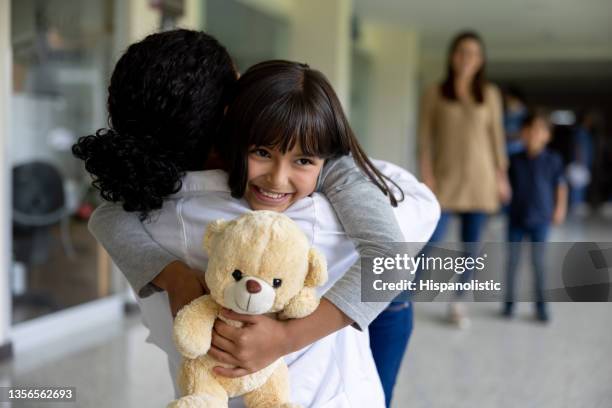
572 29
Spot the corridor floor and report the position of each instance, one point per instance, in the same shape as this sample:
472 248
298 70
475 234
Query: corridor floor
494 363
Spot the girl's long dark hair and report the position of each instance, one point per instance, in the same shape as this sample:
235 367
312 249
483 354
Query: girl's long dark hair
280 103
165 102
479 81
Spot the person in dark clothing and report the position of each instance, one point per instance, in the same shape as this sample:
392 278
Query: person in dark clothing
539 198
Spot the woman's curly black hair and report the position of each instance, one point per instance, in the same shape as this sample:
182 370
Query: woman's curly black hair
165 103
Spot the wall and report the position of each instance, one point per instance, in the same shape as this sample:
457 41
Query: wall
393 103
5 182
321 37
135 19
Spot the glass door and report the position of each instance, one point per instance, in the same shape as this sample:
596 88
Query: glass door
62 57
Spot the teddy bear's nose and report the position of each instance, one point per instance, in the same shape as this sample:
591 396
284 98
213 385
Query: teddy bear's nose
253 286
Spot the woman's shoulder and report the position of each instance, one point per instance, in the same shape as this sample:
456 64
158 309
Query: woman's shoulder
203 181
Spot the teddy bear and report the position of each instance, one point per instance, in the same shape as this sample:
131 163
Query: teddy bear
259 263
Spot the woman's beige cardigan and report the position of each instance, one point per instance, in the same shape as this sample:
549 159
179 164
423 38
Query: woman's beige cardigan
465 142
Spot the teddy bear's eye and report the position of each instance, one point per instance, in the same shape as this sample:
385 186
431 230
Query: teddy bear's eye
277 282
237 275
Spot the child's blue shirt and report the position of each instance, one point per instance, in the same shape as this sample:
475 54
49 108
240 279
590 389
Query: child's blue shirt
534 182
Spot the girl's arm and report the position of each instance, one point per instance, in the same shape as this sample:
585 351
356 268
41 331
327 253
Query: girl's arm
130 246
262 340
147 266
369 221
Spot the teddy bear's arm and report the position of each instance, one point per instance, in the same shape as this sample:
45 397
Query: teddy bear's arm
193 326
303 304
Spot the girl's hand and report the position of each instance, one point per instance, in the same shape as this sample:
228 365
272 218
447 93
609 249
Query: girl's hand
182 283
261 341
185 289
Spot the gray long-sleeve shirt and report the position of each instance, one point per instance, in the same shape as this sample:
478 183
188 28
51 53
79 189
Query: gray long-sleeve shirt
363 210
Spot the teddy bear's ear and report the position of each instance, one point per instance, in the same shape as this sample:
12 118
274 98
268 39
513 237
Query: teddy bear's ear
213 229
317 269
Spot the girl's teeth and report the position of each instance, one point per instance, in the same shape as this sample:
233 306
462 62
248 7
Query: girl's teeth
270 194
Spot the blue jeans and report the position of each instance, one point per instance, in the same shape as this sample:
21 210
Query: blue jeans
389 336
516 233
472 224
577 196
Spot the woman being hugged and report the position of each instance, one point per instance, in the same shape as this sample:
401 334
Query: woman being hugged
461 146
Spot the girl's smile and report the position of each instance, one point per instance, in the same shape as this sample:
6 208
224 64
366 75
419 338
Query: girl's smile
269 196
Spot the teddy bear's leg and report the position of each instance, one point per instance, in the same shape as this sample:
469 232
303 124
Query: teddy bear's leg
199 387
198 401
274 393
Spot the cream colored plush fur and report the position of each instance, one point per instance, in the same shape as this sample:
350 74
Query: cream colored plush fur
264 247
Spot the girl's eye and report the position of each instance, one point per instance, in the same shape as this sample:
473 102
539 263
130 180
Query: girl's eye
304 162
260 152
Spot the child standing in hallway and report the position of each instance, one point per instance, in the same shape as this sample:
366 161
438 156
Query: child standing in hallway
539 198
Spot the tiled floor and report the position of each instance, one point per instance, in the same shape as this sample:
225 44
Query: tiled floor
111 368
516 363
496 363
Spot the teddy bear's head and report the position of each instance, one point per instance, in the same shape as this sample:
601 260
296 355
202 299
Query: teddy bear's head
259 262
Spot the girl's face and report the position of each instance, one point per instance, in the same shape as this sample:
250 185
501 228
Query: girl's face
467 58
277 180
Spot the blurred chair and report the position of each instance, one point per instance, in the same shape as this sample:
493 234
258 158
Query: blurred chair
39 203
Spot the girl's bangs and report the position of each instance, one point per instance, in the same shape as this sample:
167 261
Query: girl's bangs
286 123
